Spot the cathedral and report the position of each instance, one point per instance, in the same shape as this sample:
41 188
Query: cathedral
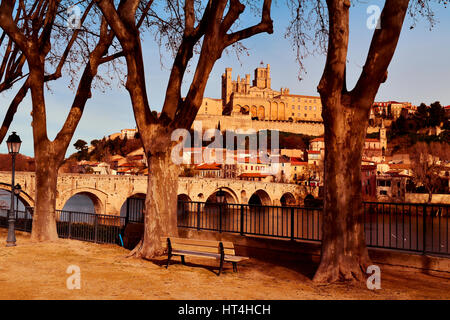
258 101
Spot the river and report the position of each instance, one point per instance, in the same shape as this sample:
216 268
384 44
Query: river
78 203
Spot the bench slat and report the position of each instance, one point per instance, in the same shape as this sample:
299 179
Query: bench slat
196 254
211 243
235 258
215 249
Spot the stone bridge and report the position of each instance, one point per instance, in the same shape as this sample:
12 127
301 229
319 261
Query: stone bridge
110 192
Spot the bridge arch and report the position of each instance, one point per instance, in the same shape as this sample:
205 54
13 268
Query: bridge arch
183 197
260 197
287 199
24 197
230 195
98 198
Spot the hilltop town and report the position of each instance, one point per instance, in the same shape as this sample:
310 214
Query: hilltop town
388 169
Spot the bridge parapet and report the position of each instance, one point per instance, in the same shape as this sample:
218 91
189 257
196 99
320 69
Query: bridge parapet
109 192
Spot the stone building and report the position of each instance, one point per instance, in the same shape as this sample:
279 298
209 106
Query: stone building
257 100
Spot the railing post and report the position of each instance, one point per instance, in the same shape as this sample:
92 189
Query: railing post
292 223
95 228
220 218
242 220
424 215
128 211
198 215
70 225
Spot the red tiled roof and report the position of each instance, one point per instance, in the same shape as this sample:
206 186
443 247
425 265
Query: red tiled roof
253 175
209 166
126 164
298 161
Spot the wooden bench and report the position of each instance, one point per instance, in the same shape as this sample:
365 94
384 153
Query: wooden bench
220 250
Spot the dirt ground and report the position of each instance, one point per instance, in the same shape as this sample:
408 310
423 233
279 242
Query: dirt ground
38 271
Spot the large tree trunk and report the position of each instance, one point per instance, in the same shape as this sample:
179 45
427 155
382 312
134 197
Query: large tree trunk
44 223
344 253
160 212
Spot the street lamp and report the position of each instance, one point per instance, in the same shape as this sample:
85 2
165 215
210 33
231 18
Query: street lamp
13 144
17 190
220 196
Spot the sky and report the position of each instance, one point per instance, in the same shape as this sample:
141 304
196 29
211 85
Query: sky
419 72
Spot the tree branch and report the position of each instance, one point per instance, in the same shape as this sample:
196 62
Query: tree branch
382 48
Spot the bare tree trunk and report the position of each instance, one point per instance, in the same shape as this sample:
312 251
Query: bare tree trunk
344 252
161 199
44 223
430 196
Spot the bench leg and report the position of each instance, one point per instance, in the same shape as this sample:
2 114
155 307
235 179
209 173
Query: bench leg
234 267
221 267
182 260
168 260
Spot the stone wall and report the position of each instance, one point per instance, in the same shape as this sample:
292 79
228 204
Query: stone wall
423 198
245 123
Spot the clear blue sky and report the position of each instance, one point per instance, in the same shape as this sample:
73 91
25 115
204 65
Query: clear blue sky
420 72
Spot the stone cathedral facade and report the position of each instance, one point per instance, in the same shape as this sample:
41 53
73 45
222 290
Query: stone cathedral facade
257 100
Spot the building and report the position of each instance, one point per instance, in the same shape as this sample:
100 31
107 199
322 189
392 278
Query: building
258 100
372 151
299 169
392 109
391 187
208 170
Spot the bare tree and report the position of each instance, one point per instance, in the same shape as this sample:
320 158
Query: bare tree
192 24
33 36
346 115
427 165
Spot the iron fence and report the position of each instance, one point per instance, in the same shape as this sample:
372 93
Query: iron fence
402 226
75 225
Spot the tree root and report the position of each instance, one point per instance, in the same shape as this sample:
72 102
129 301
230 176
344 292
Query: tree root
146 252
350 271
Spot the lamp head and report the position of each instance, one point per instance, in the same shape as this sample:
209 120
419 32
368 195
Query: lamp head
13 143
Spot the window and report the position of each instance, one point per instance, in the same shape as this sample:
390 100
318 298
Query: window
383 192
306 115
306 108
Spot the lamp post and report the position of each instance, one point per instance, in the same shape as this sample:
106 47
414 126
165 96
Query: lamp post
13 144
17 190
220 198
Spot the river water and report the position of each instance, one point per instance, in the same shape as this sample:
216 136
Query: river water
78 202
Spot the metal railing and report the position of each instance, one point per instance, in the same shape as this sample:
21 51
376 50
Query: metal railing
75 225
400 226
